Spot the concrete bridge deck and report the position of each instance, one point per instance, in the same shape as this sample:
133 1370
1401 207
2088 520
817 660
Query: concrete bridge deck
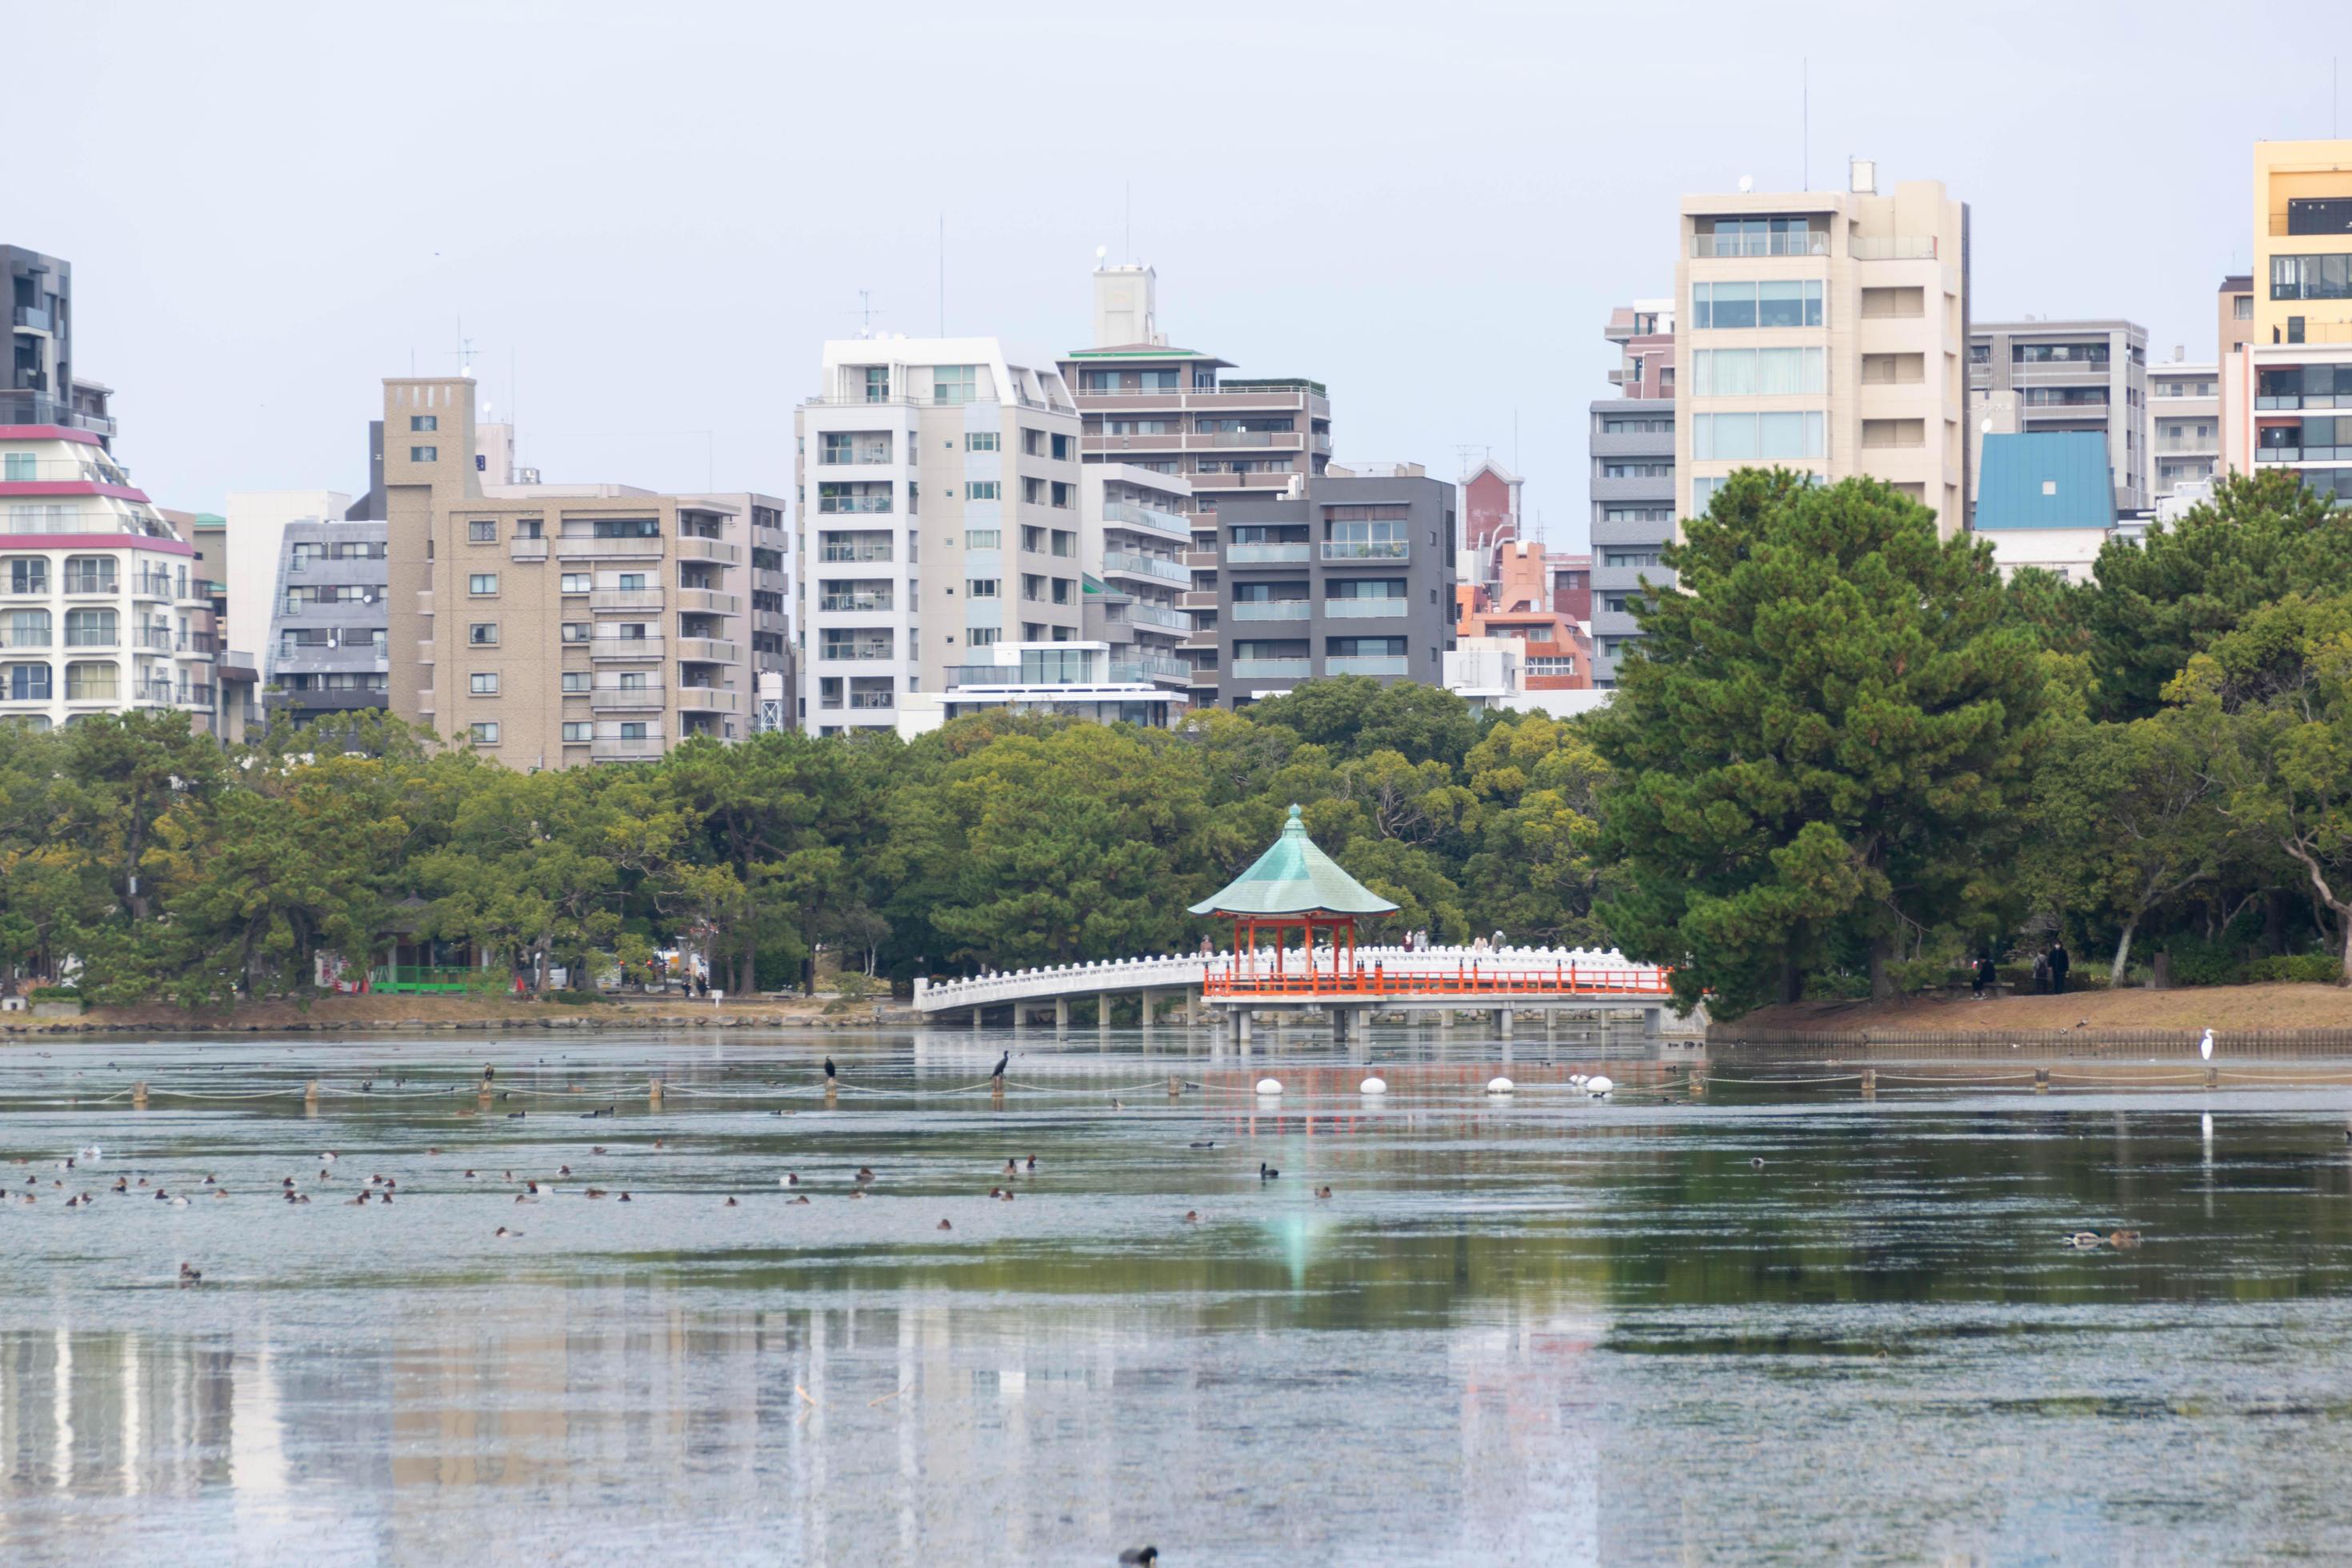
1501 983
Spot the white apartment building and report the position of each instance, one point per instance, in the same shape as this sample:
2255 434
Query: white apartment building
939 513
100 610
1826 331
2184 416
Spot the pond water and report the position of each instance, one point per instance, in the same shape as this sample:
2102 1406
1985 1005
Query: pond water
1536 1328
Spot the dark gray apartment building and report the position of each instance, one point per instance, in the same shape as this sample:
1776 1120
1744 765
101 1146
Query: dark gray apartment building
1633 483
38 385
1351 575
327 651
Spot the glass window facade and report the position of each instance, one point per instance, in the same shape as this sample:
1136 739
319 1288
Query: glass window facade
1730 306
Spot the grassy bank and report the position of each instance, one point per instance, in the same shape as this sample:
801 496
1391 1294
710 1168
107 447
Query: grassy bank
392 1014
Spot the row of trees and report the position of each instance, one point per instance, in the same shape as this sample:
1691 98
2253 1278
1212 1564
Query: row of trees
167 867
1851 758
1854 757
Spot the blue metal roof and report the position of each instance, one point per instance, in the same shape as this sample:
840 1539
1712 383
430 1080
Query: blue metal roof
2054 479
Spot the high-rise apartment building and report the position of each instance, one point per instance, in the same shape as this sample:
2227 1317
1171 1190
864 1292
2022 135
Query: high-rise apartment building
99 612
2069 377
39 387
1135 531
554 625
329 638
2184 417
1826 331
941 448
1352 575
2287 394
1166 409
1632 486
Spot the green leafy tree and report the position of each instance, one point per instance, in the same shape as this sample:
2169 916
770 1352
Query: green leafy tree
1829 740
2164 599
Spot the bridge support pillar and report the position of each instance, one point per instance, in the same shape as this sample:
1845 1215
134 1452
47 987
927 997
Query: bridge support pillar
1502 1023
1061 1016
1020 1017
1192 1005
1102 1013
1241 1028
975 1020
1146 998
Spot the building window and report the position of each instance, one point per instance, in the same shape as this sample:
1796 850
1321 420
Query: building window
1066 542
424 422
481 583
877 384
1064 448
24 682
575 681
1749 436
1065 591
575 631
980 441
482 634
90 574
2310 276
981 489
2241 308
531 528
1637 471
575 582
91 628
27 575
980 587
483 683
1724 305
982 538
1033 491
576 732
955 383
1754 372
1702 492
635 730
92 682
425 454
486 733
863 495
1065 495
980 637
480 531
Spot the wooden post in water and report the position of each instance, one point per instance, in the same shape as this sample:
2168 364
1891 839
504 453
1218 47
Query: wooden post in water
2212 1078
654 1095
1870 1083
310 1097
138 1095
1175 1087
1698 1082
2042 1080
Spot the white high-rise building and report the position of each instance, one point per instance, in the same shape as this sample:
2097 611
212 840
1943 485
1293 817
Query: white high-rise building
939 513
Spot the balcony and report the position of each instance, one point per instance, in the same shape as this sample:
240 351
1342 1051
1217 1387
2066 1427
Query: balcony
1366 664
155 691
1199 560
202 591
707 700
709 602
1894 247
66 470
1273 668
872 701
527 550
1367 550
77 587
875 455
1144 614
1156 566
574 549
155 639
854 506
1149 667
32 319
92 641
709 650
1366 609
876 652
717 550
856 604
1197 599
1130 515
1267 555
32 588
624 599
625 699
616 648
624 749
1272 610
33 407
1240 397
10 637
859 554
1789 242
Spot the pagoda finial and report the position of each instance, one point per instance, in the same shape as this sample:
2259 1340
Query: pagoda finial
1293 824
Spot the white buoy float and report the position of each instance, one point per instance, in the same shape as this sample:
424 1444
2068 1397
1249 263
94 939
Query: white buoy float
1500 1085
1269 1086
1373 1085
1598 1086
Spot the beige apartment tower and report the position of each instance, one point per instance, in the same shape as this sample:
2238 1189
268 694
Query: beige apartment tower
1825 331
552 625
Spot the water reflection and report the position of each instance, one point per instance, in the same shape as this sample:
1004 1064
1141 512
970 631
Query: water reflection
1512 1316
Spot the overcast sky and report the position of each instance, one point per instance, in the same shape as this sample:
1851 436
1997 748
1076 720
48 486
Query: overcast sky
649 216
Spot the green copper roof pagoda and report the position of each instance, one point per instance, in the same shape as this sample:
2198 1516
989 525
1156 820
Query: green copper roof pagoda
1295 878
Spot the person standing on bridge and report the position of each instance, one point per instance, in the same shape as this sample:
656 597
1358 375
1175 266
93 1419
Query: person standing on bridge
2059 964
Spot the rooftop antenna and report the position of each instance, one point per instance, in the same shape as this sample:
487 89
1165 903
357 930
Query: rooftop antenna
1805 154
465 350
866 312
943 272
1128 187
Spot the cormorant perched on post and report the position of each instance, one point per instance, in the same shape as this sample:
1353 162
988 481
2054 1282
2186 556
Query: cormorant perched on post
489 1072
1001 1062
828 1070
